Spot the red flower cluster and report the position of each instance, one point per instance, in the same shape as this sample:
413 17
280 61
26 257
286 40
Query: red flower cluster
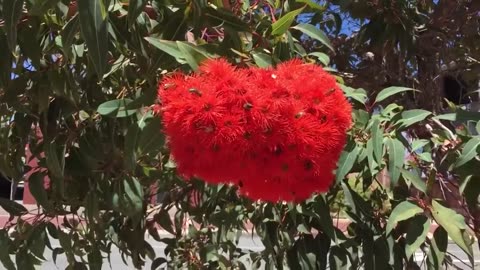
275 133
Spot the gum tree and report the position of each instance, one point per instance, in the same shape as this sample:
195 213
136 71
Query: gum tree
77 83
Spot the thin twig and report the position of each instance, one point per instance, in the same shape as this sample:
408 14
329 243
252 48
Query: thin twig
450 133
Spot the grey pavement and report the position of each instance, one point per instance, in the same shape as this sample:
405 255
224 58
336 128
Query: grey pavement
245 242
460 259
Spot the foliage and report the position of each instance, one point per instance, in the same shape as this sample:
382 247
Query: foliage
408 42
77 87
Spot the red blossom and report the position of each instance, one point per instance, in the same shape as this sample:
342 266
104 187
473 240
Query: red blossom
275 133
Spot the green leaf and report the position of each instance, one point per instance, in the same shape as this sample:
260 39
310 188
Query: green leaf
151 138
372 165
281 26
95 259
29 44
116 108
396 154
381 252
313 5
25 260
5 243
469 152
157 263
377 141
364 151
6 63
55 253
12 11
37 241
65 241
359 206
131 201
94 26
459 115
411 117
418 228
322 57
453 223
167 46
357 94
322 212
402 211
54 163
209 253
368 250
414 178
346 162
135 8
163 219
338 258
426 156
149 250
36 186
361 118
391 110
52 230
302 228
262 60
130 146
438 248
12 207
315 33
390 91
219 16
92 205
191 55
417 144
144 119
68 33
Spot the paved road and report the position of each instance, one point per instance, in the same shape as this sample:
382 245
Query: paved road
246 242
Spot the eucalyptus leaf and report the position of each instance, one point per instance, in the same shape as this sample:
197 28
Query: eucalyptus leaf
438 248
396 154
418 228
411 117
94 26
460 115
322 57
346 162
469 152
391 91
281 26
377 141
12 11
36 184
117 108
135 7
413 177
417 144
169 47
315 33
12 207
262 60
453 223
5 243
401 212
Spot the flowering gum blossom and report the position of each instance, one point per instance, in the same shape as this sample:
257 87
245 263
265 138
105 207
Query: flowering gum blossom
277 133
